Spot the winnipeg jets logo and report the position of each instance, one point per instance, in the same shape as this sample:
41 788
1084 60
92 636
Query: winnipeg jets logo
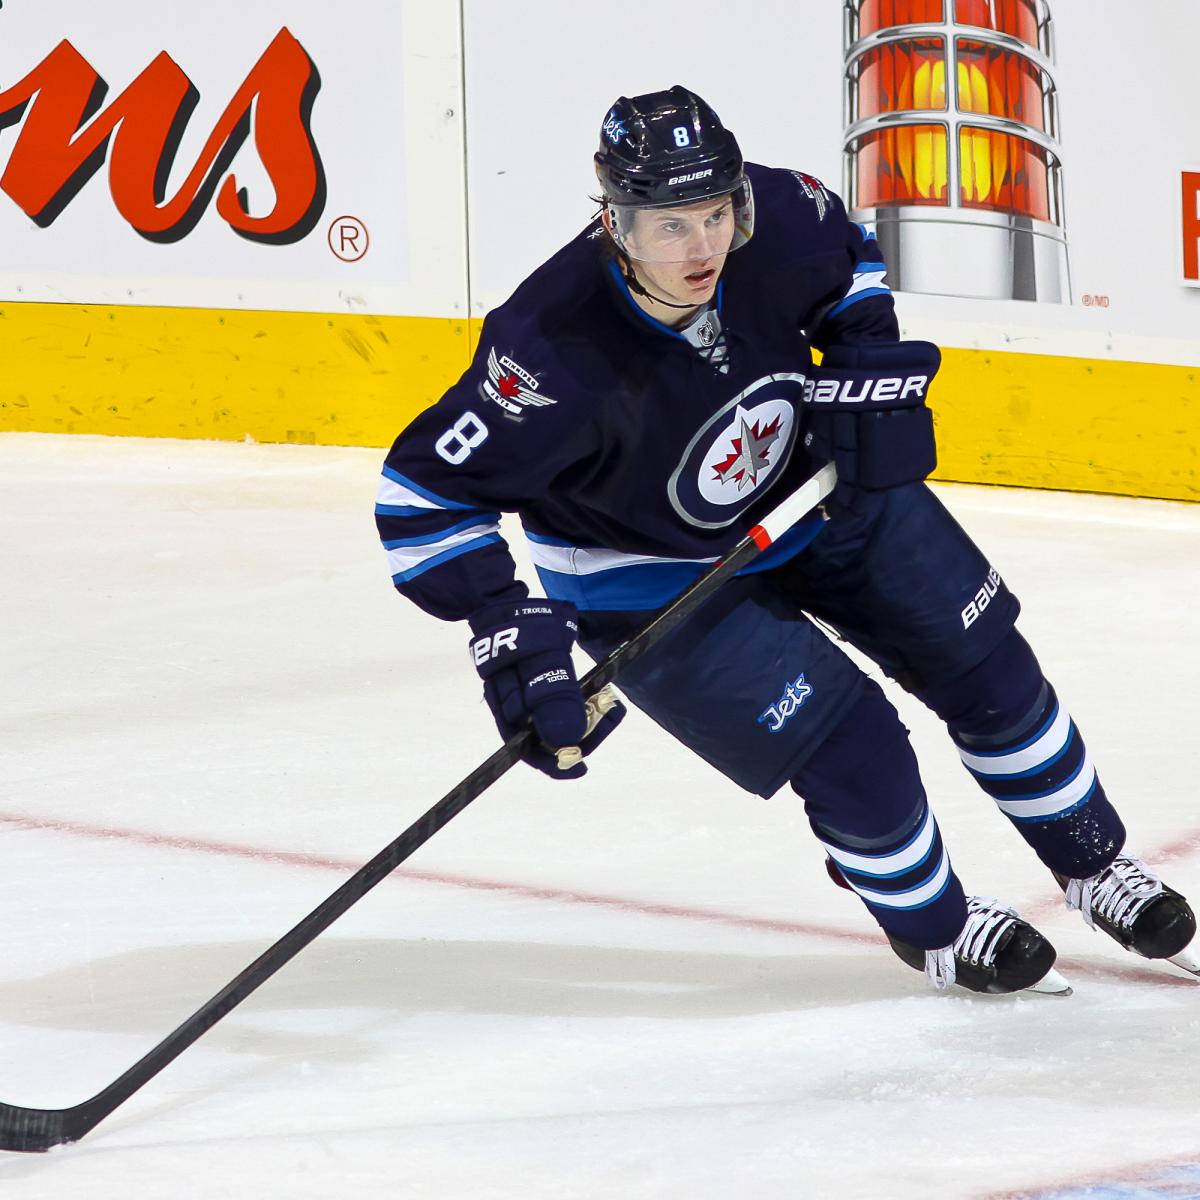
511 386
738 453
747 447
751 452
777 715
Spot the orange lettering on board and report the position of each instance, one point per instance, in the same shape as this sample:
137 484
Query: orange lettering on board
1191 225
67 129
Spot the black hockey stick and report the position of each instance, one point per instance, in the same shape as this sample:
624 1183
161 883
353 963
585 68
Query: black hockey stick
35 1129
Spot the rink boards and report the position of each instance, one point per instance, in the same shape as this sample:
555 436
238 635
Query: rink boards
1032 420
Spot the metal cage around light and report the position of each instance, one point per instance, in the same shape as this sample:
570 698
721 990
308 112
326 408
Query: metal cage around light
952 145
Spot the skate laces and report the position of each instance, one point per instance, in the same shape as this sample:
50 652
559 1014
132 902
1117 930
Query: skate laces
987 922
1118 893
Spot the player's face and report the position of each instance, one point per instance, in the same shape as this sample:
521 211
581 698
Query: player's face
681 251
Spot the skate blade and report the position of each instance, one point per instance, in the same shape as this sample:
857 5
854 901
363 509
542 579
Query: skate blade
1186 960
1051 984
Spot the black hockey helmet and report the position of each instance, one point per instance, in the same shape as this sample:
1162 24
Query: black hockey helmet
667 149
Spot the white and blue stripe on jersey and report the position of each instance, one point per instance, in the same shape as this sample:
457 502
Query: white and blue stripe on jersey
434 529
868 280
410 557
399 496
425 530
597 578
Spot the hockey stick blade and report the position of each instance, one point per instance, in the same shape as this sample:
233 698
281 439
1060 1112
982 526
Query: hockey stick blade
37 1129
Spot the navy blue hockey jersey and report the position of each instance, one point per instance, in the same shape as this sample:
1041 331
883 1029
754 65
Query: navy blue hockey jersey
633 459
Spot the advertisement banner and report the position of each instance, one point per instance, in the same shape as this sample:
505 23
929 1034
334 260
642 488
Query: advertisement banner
232 155
1189 213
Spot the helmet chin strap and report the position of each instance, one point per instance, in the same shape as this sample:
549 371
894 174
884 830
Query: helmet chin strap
636 285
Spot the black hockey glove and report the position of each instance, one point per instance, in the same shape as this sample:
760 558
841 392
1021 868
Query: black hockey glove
522 651
866 412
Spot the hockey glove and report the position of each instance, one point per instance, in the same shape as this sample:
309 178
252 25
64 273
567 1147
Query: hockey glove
522 651
867 413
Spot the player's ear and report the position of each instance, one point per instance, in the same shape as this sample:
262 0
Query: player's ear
606 217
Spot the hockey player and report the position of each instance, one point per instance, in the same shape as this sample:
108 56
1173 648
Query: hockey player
641 399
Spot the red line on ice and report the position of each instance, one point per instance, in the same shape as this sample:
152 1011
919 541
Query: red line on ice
1176 849
525 891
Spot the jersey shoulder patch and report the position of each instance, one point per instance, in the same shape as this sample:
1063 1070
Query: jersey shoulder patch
523 376
510 386
797 205
816 192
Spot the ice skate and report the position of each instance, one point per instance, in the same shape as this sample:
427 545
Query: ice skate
1135 908
996 952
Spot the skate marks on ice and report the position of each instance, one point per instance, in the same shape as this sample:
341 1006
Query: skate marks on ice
140 992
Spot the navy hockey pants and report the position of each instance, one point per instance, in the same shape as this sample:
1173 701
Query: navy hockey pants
754 687
759 691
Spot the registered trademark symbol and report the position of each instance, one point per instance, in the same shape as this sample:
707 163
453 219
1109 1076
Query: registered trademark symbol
348 237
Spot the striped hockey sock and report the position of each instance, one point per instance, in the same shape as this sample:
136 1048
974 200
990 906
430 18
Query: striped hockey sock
1041 777
905 880
864 799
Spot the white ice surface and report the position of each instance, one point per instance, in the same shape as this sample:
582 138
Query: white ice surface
214 708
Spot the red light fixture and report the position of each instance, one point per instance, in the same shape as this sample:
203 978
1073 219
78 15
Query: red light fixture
951 144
